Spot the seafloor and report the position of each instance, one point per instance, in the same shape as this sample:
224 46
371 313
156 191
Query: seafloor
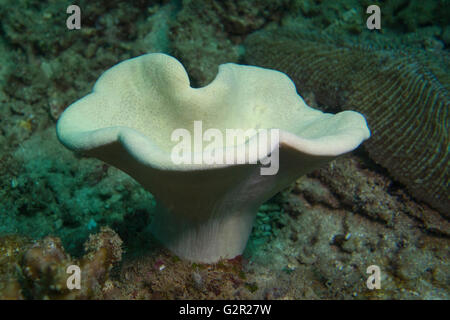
314 240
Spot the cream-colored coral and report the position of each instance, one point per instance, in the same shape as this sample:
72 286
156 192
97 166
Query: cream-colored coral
206 211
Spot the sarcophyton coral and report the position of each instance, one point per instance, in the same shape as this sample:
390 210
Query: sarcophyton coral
38 269
206 209
405 103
